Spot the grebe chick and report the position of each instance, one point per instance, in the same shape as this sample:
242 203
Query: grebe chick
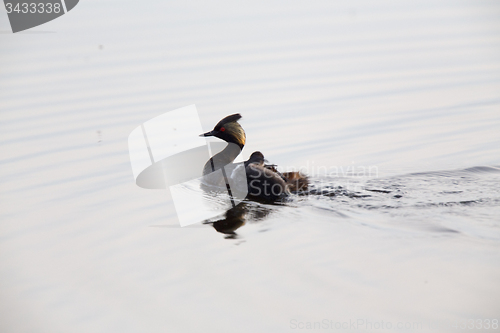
264 181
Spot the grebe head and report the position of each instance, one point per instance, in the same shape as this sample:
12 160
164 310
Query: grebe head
229 130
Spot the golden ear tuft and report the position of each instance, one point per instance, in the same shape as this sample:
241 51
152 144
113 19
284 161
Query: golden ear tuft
236 131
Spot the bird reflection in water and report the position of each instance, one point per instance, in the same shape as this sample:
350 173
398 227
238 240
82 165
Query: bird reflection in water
236 217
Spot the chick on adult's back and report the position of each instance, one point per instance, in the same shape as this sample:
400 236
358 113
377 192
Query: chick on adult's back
264 181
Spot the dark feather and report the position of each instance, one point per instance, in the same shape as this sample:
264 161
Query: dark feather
228 119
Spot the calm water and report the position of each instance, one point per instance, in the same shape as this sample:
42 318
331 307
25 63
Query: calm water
393 110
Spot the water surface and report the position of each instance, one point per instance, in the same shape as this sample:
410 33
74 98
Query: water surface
409 92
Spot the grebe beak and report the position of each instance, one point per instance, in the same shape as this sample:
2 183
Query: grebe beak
211 133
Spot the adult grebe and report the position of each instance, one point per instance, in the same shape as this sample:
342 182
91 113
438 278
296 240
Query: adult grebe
264 181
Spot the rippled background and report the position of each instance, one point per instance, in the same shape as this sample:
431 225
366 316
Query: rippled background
410 91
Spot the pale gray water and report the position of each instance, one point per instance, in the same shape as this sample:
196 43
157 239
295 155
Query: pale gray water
408 91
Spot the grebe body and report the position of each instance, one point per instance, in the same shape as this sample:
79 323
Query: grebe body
264 181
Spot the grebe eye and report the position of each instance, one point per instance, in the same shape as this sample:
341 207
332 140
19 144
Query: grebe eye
222 129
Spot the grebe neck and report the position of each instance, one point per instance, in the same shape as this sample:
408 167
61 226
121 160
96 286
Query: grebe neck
223 158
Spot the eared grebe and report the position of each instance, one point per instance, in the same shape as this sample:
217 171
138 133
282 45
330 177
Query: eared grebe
264 181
